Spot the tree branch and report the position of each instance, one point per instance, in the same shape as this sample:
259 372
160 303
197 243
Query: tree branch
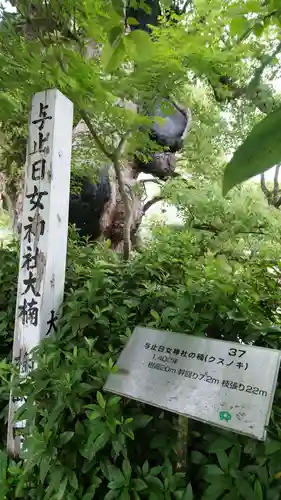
155 181
213 229
205 227
119 149
146 207
146 181
250 91
259 71
278 203
257 22
125 200
115 158
276 183
95 136
151 202
251 232
265 191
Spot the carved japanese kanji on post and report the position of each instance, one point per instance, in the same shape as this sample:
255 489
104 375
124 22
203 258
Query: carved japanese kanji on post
44 235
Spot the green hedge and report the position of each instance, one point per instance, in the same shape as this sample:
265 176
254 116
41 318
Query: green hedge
85 444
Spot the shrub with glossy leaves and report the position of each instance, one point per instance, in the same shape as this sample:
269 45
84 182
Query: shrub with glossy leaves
83 443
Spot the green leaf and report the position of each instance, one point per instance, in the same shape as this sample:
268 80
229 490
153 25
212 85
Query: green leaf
145 468
132 21
93 407
258 29
238 25
154 496
232 495
113 401
260 151
125 495
215 490
89 495
118 6
100 442
112 58
198 458
262 474
155 315
62 488
94 414
7 106
220 444
111 495
141 421
115 35
223 460
56 478
117 483
44 468
188 493
111 472
154 483
100 400
210 471
272 446
65 437
258 490
245 489
3 468
19 488
142 42
234 457
126 468
156 470
274 463
139 484
73 481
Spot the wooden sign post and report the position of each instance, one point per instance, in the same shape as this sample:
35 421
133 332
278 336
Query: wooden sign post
44 234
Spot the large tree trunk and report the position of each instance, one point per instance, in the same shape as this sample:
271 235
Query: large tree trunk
112 207
100 210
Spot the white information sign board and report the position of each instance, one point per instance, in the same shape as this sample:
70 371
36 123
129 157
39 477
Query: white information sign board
44 233
226 384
